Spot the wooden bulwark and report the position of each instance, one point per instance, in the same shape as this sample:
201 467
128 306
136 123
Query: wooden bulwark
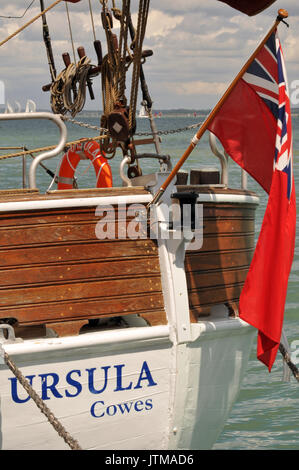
56 272
216 273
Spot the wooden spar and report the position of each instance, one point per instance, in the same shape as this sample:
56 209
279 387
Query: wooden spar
30 22
282 14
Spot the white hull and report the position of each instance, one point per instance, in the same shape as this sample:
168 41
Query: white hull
170 385
158 394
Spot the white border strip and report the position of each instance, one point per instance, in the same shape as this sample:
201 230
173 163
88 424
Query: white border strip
115 200
234 198
87 340
75 202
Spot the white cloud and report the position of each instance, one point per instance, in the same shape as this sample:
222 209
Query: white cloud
161 24
199 88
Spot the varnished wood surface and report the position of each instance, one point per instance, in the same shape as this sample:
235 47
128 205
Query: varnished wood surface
34 195
216 273
201 189
53 269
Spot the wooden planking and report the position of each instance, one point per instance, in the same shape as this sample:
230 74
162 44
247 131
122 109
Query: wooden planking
196 261
60 216
61 228
18 192
64 272
219 294
40 313
216 273
50 234
79 290
54 269
226 209
70 252
215 278
214 242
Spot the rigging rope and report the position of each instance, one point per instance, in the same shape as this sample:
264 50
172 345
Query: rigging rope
70 30
137 48
115 67
51 147
92 20
70 441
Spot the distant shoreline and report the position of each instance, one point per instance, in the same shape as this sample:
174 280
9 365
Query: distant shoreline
180 112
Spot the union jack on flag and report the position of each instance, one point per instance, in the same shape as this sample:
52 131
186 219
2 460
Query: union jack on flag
267 76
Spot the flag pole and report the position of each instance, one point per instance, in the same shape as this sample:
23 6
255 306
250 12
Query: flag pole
282 14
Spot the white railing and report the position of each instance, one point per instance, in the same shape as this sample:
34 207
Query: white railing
45 155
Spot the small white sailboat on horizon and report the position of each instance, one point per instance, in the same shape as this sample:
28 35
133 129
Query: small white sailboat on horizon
18 107
143 113
9 109
30 106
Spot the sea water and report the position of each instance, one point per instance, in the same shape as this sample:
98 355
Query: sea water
265 416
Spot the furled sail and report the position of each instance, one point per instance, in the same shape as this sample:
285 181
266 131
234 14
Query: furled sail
250 7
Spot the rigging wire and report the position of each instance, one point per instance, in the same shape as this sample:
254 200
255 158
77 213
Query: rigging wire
70 30
22 16
92 20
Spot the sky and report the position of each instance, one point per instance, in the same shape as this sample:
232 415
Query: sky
199 46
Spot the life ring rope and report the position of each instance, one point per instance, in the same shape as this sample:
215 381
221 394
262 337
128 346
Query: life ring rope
69 161
89 151
100 170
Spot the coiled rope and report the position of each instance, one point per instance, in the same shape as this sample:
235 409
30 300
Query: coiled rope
68 91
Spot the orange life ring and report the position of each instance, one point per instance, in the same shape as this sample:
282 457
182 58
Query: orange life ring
83 151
